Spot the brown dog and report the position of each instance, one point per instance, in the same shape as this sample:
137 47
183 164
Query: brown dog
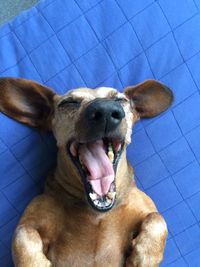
91 213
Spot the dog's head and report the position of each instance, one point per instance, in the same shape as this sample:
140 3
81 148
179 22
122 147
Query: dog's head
92 126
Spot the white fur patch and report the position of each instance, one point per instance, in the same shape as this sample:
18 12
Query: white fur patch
104 91
157 228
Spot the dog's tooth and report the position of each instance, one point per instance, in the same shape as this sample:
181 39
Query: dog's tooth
111 195
108 200
111 156
110 147
96 202
110 152
119 147
93 196
73 148
101 205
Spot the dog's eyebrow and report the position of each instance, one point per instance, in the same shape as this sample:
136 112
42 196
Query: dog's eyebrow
82 94
108 92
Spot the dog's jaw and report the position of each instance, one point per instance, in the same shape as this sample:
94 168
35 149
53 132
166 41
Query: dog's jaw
97 163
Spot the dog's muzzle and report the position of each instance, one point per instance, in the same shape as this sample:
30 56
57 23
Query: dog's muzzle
104 116
97 154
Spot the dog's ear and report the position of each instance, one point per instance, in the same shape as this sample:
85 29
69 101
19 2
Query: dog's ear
27 101
149 98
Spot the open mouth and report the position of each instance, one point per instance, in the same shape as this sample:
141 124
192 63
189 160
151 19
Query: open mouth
97 163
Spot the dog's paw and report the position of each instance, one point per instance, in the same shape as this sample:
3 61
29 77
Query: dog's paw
44 262
48 264
143 257
39 260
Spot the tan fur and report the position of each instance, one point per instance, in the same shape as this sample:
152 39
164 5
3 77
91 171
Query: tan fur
59 228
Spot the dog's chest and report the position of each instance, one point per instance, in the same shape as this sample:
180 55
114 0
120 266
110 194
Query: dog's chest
91 245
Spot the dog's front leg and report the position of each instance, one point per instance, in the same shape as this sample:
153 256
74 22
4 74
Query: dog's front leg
28 248
148 246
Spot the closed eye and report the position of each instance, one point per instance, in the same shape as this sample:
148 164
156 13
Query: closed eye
121 100
69 102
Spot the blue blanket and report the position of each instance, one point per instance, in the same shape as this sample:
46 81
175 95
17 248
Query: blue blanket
71 43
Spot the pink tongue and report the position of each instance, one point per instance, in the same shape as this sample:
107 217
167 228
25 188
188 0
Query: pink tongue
101 171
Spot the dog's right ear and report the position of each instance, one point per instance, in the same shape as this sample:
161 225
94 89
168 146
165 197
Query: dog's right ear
27 101
149 98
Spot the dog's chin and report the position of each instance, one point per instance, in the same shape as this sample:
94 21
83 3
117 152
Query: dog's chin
96 163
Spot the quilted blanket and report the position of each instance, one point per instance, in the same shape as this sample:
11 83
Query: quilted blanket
72 43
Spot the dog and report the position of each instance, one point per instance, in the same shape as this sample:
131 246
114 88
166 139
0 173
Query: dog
91 213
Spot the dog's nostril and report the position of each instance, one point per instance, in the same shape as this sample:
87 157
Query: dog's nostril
96 116
116 115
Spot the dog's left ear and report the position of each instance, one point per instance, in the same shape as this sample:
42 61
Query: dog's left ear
27 102
149 98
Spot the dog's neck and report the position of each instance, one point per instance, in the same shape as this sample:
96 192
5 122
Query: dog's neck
65 183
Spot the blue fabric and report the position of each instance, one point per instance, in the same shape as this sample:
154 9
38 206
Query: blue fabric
72 43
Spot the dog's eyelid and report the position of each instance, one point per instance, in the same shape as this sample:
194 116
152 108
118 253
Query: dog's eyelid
121 99
69 102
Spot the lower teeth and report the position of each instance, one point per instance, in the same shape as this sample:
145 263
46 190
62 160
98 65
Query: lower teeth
111 195
102 201
108 200
93 196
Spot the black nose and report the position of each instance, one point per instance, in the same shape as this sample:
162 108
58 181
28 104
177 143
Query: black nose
104 115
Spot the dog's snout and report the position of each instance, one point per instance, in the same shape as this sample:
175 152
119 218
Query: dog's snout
104 114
